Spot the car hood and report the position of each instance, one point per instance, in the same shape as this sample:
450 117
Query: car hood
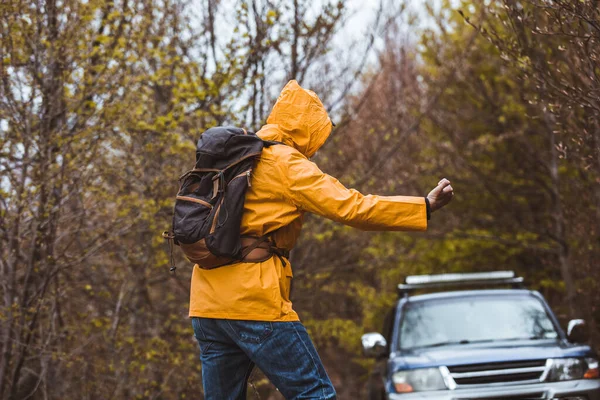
486 353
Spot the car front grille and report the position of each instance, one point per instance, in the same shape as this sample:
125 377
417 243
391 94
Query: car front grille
528 371
530 396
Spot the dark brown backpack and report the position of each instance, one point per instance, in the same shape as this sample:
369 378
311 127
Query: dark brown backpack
210 202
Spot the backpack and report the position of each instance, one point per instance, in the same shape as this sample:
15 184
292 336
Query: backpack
210 202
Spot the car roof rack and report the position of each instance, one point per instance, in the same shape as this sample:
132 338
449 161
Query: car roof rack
415 282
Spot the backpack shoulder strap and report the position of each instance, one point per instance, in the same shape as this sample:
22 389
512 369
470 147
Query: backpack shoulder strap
269 143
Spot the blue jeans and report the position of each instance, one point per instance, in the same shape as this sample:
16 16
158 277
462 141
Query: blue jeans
229 349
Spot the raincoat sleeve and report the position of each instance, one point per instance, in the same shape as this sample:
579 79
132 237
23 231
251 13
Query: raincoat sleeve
310 189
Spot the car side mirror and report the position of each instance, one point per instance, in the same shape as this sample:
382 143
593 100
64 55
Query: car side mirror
374 344
577 331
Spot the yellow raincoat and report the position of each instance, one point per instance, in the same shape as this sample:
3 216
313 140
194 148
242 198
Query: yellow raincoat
285 185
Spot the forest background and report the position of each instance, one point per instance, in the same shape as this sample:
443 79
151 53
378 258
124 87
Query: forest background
101 103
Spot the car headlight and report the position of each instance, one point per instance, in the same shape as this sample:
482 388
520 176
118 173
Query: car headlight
567 369
418 380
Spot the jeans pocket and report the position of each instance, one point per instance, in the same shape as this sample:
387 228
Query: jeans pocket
203 342
251 331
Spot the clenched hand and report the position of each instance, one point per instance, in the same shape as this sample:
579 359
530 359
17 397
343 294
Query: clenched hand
440 195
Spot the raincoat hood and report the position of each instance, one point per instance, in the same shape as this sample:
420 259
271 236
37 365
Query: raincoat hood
301 119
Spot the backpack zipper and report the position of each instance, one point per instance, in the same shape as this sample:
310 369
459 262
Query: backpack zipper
186 198
245 173
216 217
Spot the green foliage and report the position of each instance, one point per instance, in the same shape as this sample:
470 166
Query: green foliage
101 103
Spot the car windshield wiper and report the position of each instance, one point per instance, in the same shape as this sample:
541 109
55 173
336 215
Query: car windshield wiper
537 337
448 343
465 341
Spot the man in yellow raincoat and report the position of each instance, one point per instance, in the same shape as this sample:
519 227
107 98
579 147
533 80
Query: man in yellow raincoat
242 314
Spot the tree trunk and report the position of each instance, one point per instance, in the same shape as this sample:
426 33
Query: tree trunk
559 231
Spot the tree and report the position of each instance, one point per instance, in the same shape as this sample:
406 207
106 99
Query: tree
553 49
458 107
89 91
101 104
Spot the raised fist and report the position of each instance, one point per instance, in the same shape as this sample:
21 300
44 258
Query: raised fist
440 195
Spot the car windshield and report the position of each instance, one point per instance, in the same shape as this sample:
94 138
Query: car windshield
473 319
